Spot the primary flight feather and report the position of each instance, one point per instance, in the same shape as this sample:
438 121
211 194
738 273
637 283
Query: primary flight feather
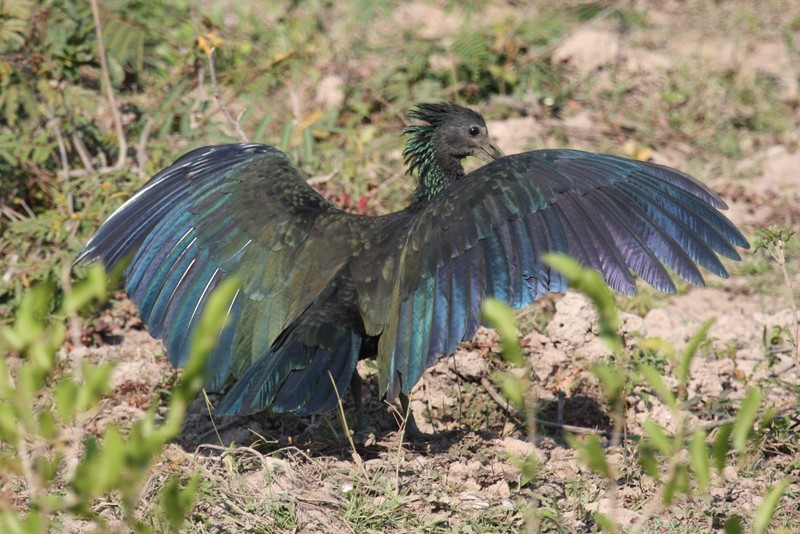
321 288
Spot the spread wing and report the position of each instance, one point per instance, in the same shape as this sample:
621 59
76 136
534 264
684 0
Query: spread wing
230 210
485 236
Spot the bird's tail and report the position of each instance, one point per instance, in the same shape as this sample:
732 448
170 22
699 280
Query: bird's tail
296 374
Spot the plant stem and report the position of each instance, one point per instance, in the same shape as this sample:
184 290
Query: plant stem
235 123
779 256
112 101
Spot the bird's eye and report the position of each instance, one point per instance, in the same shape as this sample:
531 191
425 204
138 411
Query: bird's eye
474 131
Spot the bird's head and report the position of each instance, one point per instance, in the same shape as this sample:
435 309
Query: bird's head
451 134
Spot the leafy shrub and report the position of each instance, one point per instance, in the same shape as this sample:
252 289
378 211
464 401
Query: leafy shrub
660 453
59 469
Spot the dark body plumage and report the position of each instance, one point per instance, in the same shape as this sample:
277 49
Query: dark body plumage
321 287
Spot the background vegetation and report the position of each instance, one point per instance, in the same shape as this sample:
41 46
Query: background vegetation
329 82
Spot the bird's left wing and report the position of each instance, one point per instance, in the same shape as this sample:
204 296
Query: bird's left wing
229 210
485 236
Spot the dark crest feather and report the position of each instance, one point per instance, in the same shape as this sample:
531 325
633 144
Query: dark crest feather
419 149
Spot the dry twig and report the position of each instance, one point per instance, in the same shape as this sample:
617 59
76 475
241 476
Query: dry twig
235 123
112 101
141 150
356 457
511 412
55 125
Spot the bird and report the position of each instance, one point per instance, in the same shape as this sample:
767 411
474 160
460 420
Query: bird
320 288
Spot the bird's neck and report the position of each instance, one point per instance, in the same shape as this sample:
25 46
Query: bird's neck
436 171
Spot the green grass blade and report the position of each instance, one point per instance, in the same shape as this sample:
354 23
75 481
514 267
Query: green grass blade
748 412
698 457
768 506
500 316
682 372
654 380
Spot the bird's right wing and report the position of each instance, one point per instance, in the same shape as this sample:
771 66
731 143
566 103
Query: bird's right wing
485 235
230 210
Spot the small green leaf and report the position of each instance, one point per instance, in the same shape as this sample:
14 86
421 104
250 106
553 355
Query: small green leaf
654 380
610 377
28 381
590 283
500 316
12 523
657 345
84 482
698 454
720 448
605 522
47 425
766 420
212 322
682 372
658 437
47 468
647 459
678 483
95 384
29 322
529 468
734 525
102 466
92 288
177 503
513 389
8 425
748 412
6 390
768 506
66 398
112 462
592 453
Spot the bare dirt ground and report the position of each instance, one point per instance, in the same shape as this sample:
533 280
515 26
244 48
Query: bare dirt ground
294 474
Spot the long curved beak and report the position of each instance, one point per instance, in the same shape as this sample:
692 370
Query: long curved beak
489 152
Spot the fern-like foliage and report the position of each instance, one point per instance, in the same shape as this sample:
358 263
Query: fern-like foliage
14 18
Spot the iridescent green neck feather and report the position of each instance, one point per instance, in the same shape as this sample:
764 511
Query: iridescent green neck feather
436 170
